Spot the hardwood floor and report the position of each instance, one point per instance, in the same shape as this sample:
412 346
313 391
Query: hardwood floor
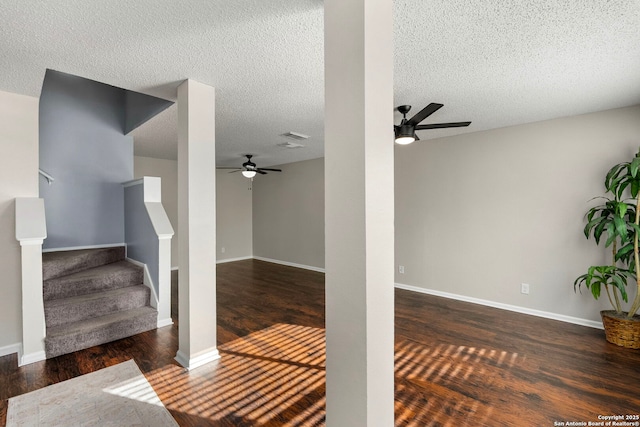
457 364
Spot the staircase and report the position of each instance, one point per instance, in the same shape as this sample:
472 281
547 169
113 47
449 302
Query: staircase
91 297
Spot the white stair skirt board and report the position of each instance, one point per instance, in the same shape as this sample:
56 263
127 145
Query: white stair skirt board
198 360
148 282
10 349
290 264
26 359
76 248
515 308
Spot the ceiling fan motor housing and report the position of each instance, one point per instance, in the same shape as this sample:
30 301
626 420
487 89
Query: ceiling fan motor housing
405 130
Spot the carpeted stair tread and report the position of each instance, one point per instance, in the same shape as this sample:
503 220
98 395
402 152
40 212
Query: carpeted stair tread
110 276
73 309
75 336
62 263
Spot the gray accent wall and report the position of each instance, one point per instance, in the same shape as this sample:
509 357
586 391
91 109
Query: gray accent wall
139 108
83 147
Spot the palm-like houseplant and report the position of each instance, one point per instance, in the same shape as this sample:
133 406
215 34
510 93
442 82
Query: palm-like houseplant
619 219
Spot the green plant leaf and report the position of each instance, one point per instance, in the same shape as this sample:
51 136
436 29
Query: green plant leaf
611 234
633 167
621 209
595 289
597 232
625 250
612 175
621 227
621 285
635 186
623 186
577 284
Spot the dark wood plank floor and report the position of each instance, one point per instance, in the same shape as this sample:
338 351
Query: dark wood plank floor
457 364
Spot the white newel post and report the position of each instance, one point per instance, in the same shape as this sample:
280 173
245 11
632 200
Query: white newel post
197 225
359 212
31 231
152 188
164 282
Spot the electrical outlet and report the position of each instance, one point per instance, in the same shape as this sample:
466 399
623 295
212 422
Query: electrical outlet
222 249
401 269
524 288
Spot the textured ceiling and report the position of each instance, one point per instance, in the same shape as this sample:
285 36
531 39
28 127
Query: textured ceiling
494 62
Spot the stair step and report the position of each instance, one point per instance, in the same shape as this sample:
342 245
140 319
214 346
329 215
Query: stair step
62 263
110 276
73 309
76 336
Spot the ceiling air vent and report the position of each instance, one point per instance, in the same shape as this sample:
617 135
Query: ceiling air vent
290 144
295 136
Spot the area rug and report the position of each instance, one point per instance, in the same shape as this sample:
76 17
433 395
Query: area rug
119 395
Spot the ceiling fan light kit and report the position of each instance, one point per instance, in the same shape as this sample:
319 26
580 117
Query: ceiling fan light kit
405 132
250 169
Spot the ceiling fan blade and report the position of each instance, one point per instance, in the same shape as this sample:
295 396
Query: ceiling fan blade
443 125
237 170
273 170
260 171
424 113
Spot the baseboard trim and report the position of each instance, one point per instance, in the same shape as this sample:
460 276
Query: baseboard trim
290 264
242 258
198 360
508 307
77 248
26 359
10 349
164 322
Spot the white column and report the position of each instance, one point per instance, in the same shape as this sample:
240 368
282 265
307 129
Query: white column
359 212
197 225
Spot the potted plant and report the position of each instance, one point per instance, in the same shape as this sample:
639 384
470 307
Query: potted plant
617 218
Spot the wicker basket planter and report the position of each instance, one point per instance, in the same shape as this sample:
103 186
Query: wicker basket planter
620 330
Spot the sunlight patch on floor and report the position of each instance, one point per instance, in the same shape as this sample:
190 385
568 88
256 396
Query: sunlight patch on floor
276 376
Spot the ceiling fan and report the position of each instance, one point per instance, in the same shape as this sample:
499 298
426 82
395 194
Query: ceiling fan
405 132
250 168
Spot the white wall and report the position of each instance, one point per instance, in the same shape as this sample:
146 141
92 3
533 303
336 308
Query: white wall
288 214
478 214
234 216
233 204
167 170
18 178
